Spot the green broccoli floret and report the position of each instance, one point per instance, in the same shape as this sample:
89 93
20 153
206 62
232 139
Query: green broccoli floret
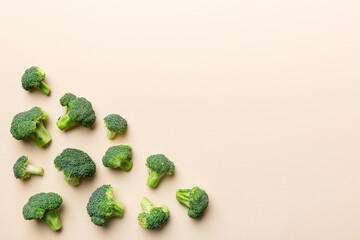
30 124
44 206
159 166
196 199
75 164
34 78
115 124
79 110
102 205
23 169
153 217
118 157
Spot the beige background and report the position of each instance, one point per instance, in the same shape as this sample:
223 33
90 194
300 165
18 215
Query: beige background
256 101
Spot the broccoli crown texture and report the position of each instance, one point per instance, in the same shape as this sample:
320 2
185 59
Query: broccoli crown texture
30 124
75 164
159 166
115 124
118 157
34 78
79 110
23 170
102 205
196 199
44 206
153 217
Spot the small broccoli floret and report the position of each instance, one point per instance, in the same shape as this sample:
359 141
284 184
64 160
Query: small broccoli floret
102 205
44 206
196 199
23 169
30 124
75 164
79 110
118 157
159 166
34 78
115 124
153 217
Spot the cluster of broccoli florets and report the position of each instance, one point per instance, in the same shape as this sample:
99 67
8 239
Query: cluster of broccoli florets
76 164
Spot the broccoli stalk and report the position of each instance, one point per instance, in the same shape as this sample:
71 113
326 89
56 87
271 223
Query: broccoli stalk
52 219
65 122
110 134
41 135
30 169
118 206
154 178
183 196
73 181
146 204
45 89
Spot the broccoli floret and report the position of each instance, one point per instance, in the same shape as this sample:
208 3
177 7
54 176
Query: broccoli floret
196 199
75 164
30 124
34 78
79 110
153 217
44 206
23 169
159 166
118 157
115 124
102 205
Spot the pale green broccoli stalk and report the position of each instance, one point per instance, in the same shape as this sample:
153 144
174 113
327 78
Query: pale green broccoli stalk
153 217
34 78
118 157
102 205
196 199
30 124
115 124
45 207
159 165
23 169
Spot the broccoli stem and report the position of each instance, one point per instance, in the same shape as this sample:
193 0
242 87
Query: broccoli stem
30 169
52 218
41 135
45 89
146 204
65 122
154 178
127 165
73 181
183 196
111 134
119 208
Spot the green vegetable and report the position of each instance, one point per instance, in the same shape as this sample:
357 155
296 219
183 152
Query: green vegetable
44 206
23 169
75 164
34 78
118 157
79 110
115 124
196 199
102 205
30 124
159 165
153 217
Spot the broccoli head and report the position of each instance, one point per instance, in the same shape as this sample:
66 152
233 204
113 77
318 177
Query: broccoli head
75 164
118 157
79 110
102 205
30 124
34 78
44 206
23 169
115 124
153 217
196 199
159 165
